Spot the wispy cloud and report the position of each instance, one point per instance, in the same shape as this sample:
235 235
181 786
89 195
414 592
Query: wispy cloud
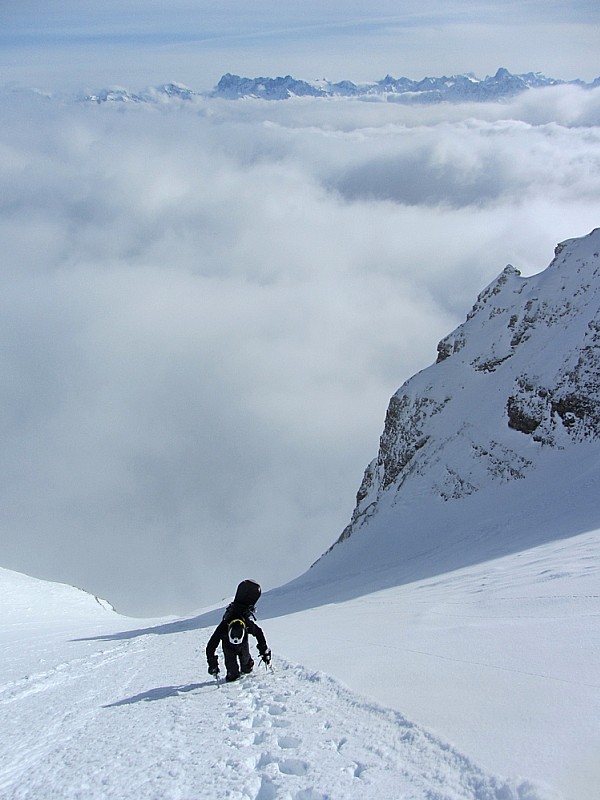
50 43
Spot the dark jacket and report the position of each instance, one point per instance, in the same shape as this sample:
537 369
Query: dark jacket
220 636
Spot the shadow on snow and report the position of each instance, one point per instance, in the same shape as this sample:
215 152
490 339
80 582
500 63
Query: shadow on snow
474 532
160 693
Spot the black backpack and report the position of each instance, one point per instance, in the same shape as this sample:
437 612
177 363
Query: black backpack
246 597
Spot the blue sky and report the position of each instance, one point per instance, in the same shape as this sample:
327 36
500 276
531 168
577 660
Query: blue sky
50 43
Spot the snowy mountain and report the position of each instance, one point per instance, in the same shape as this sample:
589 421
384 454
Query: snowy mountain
465 589
521 376
457 88
158 94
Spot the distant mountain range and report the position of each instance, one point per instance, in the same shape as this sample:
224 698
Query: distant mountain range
456 89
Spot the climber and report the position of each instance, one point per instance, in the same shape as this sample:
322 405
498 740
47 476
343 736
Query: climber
232 632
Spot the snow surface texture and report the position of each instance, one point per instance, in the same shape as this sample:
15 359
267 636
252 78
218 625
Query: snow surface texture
92 710
501 657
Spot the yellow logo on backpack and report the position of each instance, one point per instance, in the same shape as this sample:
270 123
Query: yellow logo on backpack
236 631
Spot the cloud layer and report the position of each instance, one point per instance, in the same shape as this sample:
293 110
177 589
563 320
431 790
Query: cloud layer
204 311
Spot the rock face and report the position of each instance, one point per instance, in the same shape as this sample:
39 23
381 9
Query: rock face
519 376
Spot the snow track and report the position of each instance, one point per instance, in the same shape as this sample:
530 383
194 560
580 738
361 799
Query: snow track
129 718
301 735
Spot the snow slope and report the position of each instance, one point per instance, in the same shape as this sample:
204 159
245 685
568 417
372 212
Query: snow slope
94 707
500 657
472 559
481 621
493 664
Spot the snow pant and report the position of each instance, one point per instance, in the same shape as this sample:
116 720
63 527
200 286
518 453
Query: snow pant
234 653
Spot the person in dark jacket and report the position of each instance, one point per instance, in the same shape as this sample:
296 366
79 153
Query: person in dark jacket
233 636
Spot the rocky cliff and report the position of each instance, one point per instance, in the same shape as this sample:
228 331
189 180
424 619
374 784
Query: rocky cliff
520 376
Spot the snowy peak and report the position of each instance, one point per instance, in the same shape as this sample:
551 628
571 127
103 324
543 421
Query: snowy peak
456 89
549 325
520 376
232 87
158 94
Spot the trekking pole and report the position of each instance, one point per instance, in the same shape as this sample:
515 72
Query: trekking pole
218 680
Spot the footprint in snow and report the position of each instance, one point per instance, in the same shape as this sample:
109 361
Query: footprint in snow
293 766
261 738
288 742
267 791
279 722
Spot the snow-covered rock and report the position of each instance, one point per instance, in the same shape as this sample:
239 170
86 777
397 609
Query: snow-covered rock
520 375
232 87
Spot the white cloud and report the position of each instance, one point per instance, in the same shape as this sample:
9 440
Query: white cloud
204 313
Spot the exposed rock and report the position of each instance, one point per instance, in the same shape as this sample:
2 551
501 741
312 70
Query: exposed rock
521 374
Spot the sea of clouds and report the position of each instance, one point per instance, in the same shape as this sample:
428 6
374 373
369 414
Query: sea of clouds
205 307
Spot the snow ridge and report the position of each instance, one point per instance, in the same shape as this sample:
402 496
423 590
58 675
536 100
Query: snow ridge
520 375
